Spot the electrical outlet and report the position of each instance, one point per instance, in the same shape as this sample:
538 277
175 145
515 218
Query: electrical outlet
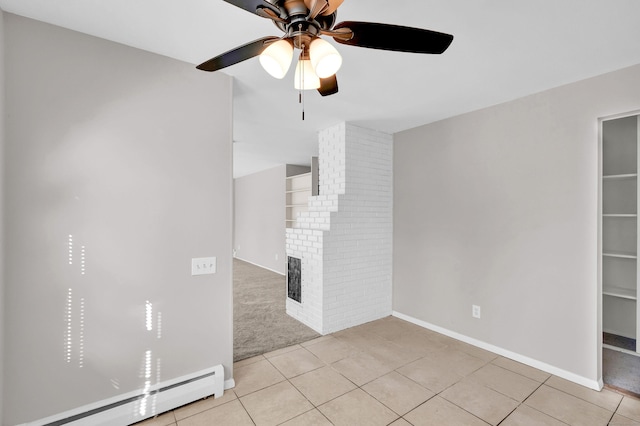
276 256
203 265
475 311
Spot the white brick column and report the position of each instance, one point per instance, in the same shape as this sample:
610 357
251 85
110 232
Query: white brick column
345 239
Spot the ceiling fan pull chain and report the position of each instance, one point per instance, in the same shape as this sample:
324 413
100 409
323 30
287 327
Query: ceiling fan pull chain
300 91
302 95
301 82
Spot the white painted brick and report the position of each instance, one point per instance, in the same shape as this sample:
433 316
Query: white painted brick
347 252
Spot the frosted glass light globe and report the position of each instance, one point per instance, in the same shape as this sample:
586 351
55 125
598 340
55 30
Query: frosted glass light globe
305 78
276 59
325 59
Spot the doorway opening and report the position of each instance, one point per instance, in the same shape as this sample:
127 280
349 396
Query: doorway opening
620 251
260 321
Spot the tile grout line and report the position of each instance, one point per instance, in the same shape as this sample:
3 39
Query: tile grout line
326 364
363 350
521 403
338 396
247 411
582 399
315 407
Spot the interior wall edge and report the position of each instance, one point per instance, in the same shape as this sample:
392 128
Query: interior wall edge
2 168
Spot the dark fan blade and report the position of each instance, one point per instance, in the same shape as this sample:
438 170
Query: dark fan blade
328 86
239 54
253 5
394 37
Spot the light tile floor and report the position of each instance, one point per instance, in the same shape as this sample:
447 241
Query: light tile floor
391 372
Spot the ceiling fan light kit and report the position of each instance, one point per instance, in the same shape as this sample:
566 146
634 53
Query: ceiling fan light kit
276 58
324 57
305 78
303 22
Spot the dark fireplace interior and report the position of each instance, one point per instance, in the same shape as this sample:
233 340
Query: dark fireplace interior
294 279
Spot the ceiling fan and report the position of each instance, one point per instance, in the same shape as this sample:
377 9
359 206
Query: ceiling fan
303 23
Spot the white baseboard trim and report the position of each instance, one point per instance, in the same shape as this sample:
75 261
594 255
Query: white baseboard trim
260 266
572 377
617 349
229 384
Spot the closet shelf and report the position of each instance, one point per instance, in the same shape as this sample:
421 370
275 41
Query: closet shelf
620 255
624 293
292 191
623 176
298 189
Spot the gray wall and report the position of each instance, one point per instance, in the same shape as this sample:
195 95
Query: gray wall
129 153
259 214
2 169
499 208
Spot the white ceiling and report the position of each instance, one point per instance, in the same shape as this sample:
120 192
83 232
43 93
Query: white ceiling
502 50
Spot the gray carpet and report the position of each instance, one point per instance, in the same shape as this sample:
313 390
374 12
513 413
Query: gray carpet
621 371
260 321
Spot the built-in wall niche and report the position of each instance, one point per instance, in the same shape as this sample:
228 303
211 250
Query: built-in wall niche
299 187
294 279
620 238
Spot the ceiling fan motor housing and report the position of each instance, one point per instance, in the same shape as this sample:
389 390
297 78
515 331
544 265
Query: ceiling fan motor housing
300 27
301 33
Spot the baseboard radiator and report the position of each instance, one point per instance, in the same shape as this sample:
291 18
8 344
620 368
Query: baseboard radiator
143 404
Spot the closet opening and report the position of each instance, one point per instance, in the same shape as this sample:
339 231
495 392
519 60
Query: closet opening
619 251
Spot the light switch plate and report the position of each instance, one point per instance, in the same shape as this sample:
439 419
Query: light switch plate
203 266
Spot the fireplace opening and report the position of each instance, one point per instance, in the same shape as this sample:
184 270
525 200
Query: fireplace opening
294 279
